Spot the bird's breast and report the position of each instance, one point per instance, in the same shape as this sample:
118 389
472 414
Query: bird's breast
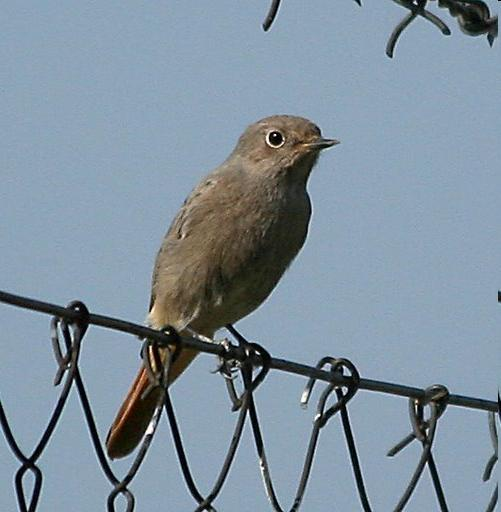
254 257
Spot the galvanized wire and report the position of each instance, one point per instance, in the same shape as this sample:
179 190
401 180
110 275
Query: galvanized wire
68 327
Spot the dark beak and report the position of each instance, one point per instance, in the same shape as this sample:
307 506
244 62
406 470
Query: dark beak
321 143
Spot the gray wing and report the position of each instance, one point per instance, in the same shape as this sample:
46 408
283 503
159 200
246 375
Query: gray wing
193 212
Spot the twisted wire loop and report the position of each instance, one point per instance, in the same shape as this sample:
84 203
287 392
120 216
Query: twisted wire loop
157 369
72 333
416 8
473 17
436 398
491 506
338 368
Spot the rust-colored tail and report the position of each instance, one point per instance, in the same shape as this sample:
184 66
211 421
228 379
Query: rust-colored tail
135 413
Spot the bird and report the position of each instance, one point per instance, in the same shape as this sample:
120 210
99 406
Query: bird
226 249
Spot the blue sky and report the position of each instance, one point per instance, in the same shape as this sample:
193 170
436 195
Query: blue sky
112 113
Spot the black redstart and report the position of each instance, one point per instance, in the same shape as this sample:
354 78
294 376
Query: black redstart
227 248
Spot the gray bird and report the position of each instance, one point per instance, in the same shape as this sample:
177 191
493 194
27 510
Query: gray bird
227 248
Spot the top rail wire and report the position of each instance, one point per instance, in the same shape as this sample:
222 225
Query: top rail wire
283 365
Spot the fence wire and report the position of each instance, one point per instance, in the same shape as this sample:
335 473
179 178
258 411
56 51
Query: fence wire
252 361
473 17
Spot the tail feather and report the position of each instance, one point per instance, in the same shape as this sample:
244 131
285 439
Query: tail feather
135 413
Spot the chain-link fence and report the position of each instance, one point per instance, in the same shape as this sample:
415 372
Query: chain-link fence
253 362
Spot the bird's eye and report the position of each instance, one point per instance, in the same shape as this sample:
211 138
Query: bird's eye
275 139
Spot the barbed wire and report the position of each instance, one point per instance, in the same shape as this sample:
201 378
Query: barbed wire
473 17
253 362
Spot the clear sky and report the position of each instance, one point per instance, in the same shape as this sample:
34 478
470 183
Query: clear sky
111 113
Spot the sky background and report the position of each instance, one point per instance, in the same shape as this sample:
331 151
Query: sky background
111 114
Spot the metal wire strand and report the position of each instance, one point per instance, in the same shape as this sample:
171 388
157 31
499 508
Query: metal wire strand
494 441
76 377
27 465
72 335
181 454
416 8
97 445
272 14
424 431
159 377
248 356
492 461
491 506
321 418
350 442
246 371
